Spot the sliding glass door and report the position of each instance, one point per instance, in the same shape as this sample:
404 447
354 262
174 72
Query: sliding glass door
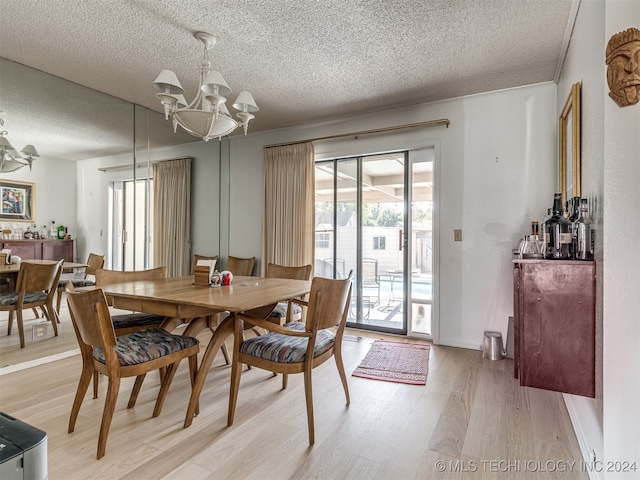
373 218
131 224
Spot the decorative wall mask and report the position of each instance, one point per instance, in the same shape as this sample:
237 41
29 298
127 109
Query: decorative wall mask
623 67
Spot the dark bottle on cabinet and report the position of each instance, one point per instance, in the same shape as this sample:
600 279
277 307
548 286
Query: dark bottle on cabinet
557 232
574 209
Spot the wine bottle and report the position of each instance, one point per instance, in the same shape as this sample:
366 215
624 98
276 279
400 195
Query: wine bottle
557 232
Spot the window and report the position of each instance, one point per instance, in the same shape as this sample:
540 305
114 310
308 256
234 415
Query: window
322 240
378 243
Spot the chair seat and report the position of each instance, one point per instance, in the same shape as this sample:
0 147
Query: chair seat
11 298
129 320
281 310
280 348
146 345
77 283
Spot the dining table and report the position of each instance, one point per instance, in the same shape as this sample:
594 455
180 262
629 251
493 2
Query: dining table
10 271
181 299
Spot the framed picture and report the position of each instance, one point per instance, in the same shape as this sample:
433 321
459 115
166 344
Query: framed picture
569 143
18 200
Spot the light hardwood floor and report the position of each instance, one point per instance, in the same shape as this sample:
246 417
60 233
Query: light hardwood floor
472 420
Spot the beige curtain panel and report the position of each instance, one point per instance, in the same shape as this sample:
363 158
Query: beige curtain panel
172 215
289 221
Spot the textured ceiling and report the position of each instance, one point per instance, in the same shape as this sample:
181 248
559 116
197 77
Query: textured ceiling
304 61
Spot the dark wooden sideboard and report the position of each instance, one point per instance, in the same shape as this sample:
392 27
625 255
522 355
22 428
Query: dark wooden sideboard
40 249
554 325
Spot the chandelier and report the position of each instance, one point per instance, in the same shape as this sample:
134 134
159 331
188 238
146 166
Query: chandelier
10 159
207 115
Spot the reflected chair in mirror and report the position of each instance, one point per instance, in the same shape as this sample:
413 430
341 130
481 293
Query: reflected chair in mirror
297 347
130 355
35 287
94 262
197 257
242 267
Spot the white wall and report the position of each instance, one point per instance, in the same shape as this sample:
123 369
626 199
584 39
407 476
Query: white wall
584 63
621 276
55 192
497 172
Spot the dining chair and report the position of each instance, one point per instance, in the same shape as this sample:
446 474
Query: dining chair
197 257
285 312
134 321
94 262
296 347
126 323
242 267
130 355
35 287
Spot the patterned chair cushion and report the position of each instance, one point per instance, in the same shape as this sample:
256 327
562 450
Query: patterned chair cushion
77 283
128 320
281 310
285 349
11 298
146 345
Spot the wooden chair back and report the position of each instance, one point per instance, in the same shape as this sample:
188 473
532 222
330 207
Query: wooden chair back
109 277
329 301
242 267
91 319
36 277
295 273
197 257
94 262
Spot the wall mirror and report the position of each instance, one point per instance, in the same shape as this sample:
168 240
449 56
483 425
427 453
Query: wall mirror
42 109
569 146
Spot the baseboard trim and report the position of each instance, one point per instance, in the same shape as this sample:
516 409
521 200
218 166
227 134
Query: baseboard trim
451 342
583 442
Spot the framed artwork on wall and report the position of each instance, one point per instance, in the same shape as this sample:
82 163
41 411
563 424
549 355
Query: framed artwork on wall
18 201
569 143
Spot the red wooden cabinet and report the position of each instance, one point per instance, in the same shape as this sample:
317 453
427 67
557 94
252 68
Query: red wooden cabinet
554 325
40 249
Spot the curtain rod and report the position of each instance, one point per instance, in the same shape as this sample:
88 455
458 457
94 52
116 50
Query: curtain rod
430 123
138 165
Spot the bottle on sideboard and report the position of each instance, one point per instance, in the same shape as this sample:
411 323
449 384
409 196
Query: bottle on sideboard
574 209
557 232
53 232
35 232
60 232
583 234
45 232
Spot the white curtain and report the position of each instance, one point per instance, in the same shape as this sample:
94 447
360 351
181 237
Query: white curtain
289 221
172 215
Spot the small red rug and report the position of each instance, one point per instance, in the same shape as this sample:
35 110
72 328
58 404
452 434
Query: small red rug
395 362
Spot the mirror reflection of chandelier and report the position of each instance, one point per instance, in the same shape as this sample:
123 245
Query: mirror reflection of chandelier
207 115
10 159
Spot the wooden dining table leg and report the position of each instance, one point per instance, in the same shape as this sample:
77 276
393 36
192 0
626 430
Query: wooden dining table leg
220 335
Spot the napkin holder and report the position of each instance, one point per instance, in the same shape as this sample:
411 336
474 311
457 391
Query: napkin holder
202 272
5 256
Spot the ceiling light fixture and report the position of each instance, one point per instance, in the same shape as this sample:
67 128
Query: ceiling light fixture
10 159
206 116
